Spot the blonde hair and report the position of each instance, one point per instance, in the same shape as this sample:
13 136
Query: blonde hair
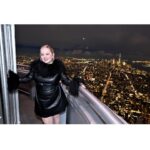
49 47
51 50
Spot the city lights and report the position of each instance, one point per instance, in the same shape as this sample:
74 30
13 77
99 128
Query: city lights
116 83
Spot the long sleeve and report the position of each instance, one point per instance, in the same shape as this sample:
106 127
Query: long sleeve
27 77
14 79
73 84
65 80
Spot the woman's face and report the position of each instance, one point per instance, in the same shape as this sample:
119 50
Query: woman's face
46 55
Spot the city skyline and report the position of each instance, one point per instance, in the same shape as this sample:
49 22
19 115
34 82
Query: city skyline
116 83
132 41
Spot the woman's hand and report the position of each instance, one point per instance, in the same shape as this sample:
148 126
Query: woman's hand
13 81
74 86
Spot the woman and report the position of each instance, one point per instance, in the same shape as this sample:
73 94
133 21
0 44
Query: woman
47 72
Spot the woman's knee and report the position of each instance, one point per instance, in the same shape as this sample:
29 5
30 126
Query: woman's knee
57 119
48 120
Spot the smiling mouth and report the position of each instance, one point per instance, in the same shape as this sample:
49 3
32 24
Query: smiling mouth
45 59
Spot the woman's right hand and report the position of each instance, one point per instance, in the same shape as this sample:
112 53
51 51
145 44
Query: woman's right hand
13 81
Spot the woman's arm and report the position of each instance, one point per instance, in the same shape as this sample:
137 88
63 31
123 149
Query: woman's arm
14 79
73 84
64 78
28 77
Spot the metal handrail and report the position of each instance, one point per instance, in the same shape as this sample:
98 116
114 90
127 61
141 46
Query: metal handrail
102 110
106 115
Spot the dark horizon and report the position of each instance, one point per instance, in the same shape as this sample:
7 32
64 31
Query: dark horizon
132 41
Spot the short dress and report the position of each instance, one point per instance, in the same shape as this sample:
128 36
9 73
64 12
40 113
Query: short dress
50 98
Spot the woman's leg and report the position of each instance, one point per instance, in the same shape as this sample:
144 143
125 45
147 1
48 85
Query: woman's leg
48 120
56 119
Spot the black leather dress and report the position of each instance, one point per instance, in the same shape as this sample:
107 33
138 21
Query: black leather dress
50 98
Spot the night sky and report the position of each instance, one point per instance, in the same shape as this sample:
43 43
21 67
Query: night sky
132 41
